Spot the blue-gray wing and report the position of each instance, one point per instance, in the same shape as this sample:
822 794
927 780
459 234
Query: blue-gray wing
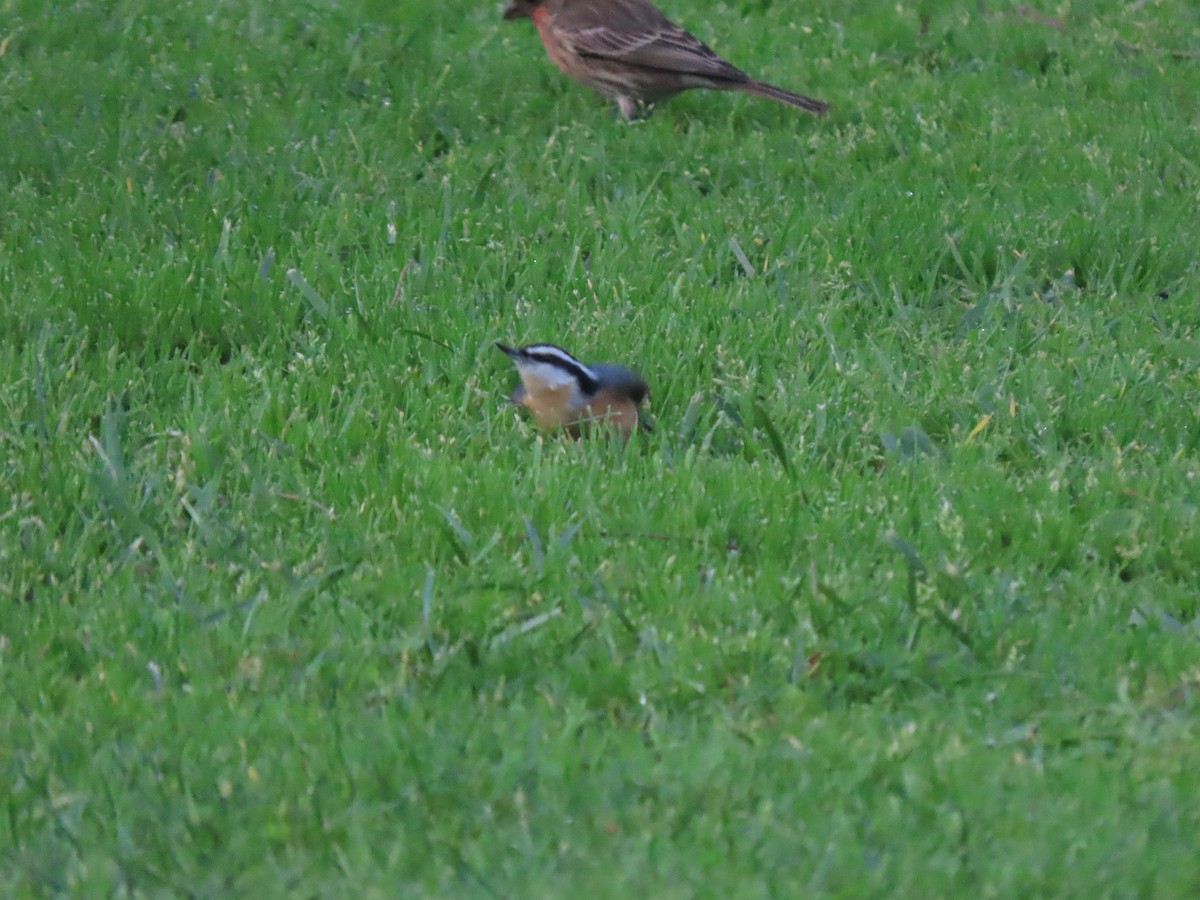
622 379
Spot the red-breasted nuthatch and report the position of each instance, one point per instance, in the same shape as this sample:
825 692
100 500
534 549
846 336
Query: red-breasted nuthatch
562 392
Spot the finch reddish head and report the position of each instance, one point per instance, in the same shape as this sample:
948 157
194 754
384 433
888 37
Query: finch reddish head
631 53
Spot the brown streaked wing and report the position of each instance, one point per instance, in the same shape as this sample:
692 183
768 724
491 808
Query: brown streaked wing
666 51
636 33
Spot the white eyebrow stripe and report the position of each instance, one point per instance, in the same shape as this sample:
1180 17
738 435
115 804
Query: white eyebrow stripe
543 352
544 374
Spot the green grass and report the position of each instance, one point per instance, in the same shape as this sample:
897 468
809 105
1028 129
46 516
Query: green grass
899 599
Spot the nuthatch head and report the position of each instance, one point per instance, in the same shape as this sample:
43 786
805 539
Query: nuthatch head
562 392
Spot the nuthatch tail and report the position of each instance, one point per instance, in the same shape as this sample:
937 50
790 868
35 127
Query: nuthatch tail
562 392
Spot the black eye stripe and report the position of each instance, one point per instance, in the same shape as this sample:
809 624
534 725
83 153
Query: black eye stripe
566 362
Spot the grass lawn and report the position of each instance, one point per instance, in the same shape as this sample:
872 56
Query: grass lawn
900 599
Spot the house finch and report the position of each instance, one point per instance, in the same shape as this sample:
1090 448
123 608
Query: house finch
629 51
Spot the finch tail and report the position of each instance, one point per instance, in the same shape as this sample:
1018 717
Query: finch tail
762 89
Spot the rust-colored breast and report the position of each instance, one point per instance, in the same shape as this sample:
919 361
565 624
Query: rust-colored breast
550 406
611 410
555 49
